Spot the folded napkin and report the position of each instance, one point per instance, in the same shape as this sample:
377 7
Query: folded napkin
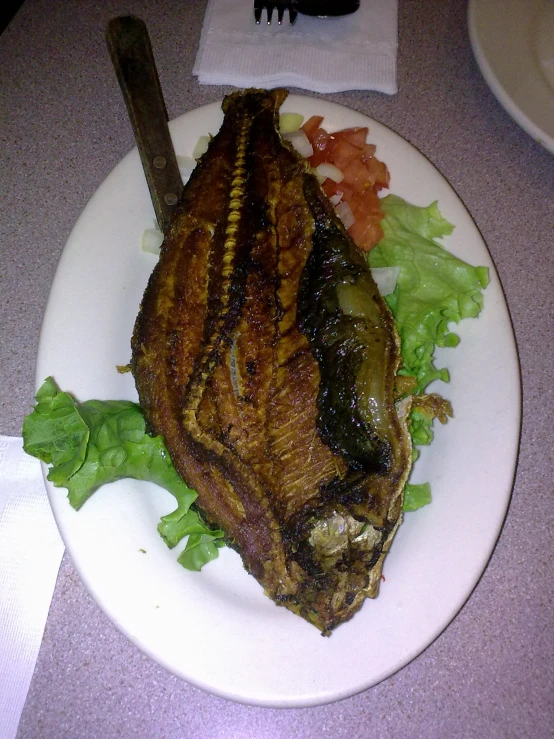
355 52
30 554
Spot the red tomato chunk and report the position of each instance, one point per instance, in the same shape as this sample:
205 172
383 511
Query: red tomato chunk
311 125
364 175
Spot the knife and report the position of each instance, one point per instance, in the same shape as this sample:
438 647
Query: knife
133 60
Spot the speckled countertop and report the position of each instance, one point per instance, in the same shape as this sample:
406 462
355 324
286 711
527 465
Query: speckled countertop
63 128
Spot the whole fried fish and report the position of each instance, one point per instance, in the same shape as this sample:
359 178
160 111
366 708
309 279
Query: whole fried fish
266 358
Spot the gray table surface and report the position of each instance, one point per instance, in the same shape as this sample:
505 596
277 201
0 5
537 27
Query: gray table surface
63 128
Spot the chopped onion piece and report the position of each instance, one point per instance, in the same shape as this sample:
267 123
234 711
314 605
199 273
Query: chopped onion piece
201 146
289 122
152 239
328 170
186 162
385 278
186 165
335 199
300 142
344 212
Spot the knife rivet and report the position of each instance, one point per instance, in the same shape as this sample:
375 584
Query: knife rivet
170 198
159 162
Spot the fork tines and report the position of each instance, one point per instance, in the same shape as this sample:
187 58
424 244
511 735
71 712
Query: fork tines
281 6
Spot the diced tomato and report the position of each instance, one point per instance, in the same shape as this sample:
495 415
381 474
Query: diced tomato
342 153
357 205
355 136
368 152
366 205
366 233
379 172
311 125
330 147
331 188
319 141
357 174
364 176
317 158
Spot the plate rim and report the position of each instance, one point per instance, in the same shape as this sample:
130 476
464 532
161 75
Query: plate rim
497 87
316 700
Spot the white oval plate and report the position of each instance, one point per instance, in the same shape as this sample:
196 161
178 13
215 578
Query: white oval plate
513 43
216 629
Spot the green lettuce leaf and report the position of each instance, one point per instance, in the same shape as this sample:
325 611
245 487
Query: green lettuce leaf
56 433
200 549
416 496
93 443
434 287
421 428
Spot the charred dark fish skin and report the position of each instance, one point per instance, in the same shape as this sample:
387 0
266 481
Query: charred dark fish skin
348 323
252 355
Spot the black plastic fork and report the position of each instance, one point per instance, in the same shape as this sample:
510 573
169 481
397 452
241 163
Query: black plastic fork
319 8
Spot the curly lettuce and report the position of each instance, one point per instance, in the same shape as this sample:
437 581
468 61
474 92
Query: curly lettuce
433 290
93 443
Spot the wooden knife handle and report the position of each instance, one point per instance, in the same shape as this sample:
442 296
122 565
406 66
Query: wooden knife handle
133 60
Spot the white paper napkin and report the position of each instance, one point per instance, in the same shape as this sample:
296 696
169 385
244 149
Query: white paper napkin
355 52
31 550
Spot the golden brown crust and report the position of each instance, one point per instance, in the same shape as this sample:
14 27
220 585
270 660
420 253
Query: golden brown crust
233 377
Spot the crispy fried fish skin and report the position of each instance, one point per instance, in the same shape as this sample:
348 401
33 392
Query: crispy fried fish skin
265 356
